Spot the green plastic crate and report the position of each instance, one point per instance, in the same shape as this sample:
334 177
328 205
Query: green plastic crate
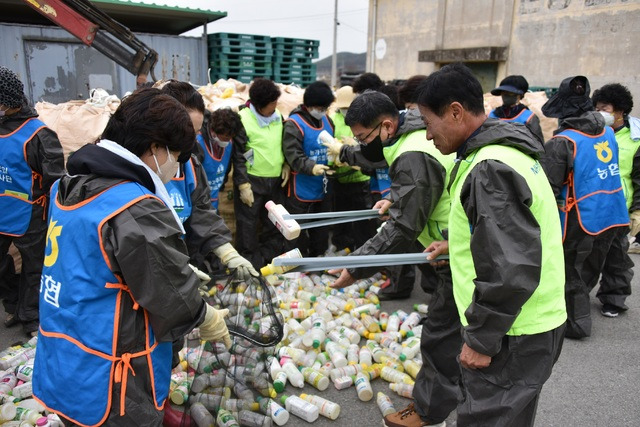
238 36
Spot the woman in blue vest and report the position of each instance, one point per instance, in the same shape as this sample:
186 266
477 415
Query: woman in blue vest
309 186
206 233
512 90
31 160
116 284
215 147
582 165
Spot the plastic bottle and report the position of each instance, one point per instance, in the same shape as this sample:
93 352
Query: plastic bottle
289 228
336 354
43 422
22 391
24 414
315 378
411 347
278 414
280 382
370 323
294 353
7 412
201 415
363 387
253 419
8 382
410 322
316 335
421 308
365 356
393 324
181 393
300 408
326 407
411 367
295 326
226 419
404 390
293 374
345 371
393 376
385 404
352 354
343 382
281 269
376 351
56 422
384 320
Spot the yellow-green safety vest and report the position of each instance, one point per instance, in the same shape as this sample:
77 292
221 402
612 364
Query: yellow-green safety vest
266 144
627 148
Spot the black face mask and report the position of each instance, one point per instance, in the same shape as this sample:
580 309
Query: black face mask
509 100
373 150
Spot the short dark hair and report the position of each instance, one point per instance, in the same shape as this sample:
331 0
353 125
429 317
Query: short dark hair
368 108
318 94
225 121
615 94
367 81
408 92
186 94
147 117
263 92
452 83
392 92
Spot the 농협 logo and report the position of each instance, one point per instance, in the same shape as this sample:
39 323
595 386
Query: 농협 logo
603 151
53 232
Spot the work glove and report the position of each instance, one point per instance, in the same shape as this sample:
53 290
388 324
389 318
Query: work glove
232 259
348 140
320 169
635 222
246 195
213 327
333 147
286 171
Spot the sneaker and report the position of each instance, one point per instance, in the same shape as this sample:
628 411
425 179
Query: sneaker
408 417
609 310
634 248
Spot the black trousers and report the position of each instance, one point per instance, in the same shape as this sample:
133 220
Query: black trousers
437 389
21 297
506 393
584 258
348 197
257 239
615 284
312 242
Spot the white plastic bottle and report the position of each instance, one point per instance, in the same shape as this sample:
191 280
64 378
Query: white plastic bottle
24 414
316 335
336 353
278 414
343 382
363 387
300 408
411 347
315 378
201 416
365 356
226 419
7 412
253 419
289 228
326 407
393 376
404 390
293 374
410 322
385 404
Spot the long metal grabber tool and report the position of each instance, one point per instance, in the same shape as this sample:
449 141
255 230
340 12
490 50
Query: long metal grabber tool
355 261
290 228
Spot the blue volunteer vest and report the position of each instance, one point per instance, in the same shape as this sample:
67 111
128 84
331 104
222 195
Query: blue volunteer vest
180 190
522 117
17 179
80 303
215 168
309 188
594 188
380 182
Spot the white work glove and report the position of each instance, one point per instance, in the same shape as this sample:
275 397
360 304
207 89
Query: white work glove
246 195
320 170
232 259
635 222
213 327
286 171
333 147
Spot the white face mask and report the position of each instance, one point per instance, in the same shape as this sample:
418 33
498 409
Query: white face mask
220 143
608 118
169 169
317 114
343 111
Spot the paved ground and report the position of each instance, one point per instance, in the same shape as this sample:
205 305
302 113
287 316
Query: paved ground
596 382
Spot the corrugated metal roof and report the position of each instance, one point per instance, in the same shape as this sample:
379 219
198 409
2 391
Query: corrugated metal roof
138 17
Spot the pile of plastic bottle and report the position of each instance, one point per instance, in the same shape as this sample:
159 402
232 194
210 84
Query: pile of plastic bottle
17 407
332 337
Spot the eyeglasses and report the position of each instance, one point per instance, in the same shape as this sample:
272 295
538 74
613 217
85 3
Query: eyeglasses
362 141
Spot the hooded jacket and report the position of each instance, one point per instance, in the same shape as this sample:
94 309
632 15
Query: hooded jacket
44 152
558 159
145 248
417 183
495 199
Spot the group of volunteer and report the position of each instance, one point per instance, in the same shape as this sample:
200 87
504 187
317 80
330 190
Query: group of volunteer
109 246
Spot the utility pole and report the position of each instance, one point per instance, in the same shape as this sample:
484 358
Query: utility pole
334 57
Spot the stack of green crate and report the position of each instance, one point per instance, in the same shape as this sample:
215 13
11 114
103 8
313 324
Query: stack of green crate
292 60
239 56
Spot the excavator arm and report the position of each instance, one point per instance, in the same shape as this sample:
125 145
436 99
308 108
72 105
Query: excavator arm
95 28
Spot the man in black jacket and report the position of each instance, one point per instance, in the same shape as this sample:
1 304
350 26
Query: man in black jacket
24 215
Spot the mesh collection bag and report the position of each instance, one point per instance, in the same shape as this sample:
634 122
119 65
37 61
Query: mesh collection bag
227 384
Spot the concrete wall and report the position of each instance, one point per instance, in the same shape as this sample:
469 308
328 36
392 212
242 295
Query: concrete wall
546 40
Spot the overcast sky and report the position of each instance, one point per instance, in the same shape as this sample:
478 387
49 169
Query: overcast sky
307 19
